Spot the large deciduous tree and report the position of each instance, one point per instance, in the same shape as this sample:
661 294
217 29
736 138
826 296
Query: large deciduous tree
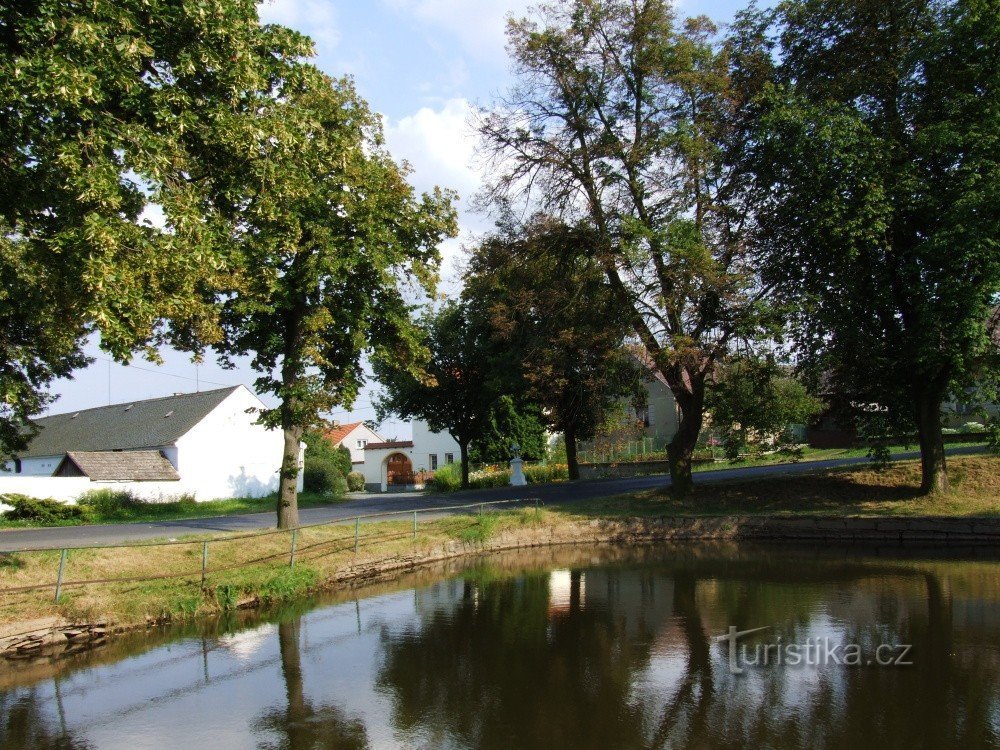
104 108
622 118
877 137
327 233
549 303
458 383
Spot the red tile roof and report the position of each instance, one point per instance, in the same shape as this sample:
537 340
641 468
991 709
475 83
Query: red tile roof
390 444
338 433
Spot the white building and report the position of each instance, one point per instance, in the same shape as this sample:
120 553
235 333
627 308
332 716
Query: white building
407 464
355 437
205 444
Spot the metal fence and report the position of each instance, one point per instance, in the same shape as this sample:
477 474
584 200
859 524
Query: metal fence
293 553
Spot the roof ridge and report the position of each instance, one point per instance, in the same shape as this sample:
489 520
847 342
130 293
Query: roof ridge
139 401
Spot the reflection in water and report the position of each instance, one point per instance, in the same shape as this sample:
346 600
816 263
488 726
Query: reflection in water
590 653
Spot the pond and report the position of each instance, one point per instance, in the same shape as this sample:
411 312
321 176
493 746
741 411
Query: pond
562 648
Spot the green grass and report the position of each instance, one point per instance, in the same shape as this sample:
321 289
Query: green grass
144 512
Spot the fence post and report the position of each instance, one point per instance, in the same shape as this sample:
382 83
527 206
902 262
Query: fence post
59 576
480 510
204 562
357 530
295 538
414 525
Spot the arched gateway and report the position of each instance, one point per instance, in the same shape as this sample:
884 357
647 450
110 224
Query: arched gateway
399 470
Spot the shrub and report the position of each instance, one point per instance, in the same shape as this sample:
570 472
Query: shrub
323 476
973 427
546 473
38 509
355 481
108 502
448 478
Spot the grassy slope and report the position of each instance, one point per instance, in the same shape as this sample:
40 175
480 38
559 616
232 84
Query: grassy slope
242 566
177 510
856 491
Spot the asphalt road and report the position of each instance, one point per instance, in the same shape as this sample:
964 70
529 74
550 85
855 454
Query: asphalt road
561 493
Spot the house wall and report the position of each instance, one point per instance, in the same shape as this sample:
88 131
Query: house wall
374 468
224 455
361 432
663 420
427 443
40 466
228 455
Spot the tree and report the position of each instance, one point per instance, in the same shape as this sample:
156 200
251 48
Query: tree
620 118
459 381
511 420
549 302
326 230
754 400
877 152
106 106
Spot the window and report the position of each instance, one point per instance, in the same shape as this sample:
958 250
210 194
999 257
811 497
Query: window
362 443
17 466
434 461
449 458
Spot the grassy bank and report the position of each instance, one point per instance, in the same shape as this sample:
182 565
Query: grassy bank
117 511
246 570
895 491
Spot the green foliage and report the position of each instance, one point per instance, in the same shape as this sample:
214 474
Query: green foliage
480 530
288 583
877 159
539 473
627 120
227 596
459 382
448 478
325 233
35 509
109 108
510 422
753 402
549 301
355 481
323 476
108 502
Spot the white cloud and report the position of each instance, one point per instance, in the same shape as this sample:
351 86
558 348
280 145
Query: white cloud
480 25
317 18
440 145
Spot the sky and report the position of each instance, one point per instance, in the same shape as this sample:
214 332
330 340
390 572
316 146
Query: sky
424 65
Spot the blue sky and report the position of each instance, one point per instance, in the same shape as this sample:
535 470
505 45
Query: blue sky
423 64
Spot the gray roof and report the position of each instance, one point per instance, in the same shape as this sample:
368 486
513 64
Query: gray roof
135 466
138 424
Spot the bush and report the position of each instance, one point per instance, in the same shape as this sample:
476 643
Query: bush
973 427
355 481
39 509
546 473
108 502
323 477
448 478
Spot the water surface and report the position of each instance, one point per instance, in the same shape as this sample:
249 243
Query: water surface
558 649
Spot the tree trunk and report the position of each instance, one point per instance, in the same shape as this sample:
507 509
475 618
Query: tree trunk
933 469
680 449
288 496
464 448
572 464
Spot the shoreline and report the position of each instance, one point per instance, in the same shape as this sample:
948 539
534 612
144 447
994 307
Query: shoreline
55 637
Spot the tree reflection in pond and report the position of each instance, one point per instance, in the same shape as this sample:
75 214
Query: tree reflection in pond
630 663
302 726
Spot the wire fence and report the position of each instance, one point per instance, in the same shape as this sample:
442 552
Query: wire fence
295 552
